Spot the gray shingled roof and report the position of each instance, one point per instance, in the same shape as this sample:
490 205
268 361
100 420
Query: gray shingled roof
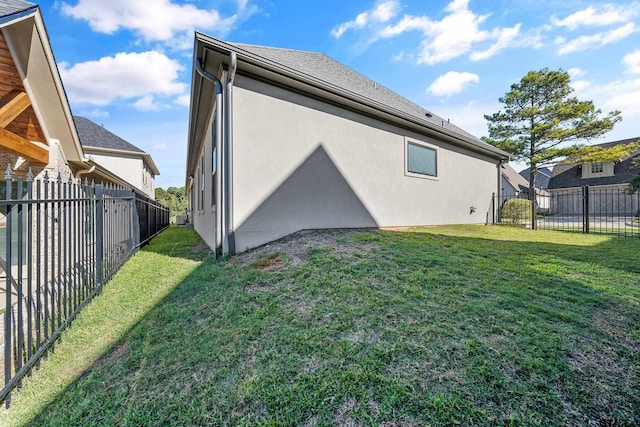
542 176
570 175
94 135
10 7
322 67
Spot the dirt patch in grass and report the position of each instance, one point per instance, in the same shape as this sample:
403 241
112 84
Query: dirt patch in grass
291 251
270 262
201 248
342 415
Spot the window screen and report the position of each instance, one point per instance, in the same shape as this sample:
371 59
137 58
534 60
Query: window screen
421 160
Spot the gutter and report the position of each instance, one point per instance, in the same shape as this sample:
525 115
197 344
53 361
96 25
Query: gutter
231 73
330 88
217 141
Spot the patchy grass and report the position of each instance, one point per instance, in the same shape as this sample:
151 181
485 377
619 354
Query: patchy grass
464 325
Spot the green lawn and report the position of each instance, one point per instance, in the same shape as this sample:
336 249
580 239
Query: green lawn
461 325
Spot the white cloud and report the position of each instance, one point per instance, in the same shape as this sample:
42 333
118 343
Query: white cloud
98 113
577 83
183 100
607 15
632 61
147 103
152 20
580 85
380 14
576 72
452 82
123 76
623 96
504 37
457 33
596 40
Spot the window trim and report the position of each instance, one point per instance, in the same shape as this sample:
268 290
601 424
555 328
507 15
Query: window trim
434 148
598 165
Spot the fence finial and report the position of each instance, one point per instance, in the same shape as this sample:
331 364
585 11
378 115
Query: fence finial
8 174
59 177
29 176
46 177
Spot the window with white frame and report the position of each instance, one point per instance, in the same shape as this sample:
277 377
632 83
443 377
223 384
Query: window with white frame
421 160
597 167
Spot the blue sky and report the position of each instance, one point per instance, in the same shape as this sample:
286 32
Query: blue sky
127 64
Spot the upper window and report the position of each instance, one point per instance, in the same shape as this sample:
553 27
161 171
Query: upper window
597 167
422 160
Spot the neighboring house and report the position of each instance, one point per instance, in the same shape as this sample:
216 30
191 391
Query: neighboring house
608 179
284 140
542 177
513 184
37 129
36 126
119 161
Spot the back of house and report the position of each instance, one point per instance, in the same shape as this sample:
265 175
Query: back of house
283 140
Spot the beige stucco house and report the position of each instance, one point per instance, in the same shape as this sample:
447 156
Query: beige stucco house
126 163
283 140
36 126
37 129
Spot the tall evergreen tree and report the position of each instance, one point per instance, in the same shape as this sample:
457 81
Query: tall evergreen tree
540 118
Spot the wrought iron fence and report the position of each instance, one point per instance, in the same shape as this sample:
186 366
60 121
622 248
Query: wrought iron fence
590 210
60 242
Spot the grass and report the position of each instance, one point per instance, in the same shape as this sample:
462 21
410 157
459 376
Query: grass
461 325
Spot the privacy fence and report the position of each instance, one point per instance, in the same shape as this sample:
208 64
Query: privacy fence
590 210
60 242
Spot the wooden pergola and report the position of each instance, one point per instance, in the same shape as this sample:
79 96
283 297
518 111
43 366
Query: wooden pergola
20 132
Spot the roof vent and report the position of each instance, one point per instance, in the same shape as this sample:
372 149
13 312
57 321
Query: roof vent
429 115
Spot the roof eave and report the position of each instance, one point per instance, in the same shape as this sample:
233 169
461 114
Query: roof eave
144 155
341 95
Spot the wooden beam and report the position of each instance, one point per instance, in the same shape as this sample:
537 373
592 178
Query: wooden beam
22 147
12 105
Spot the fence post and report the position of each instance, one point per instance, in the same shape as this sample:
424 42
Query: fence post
493 208
585 209
8 176
99 195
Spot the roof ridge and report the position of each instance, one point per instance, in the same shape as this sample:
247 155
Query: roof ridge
276 48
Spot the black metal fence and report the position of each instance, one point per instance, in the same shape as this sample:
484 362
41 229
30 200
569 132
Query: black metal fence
590 210
60 242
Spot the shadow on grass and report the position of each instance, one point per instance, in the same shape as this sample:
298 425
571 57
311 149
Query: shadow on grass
420 328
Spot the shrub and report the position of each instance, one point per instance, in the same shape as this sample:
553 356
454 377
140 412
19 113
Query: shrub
514 211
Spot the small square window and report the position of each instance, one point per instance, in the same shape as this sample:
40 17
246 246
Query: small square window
422 160
597 167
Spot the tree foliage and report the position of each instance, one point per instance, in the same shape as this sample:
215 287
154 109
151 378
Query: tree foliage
540 117
174 198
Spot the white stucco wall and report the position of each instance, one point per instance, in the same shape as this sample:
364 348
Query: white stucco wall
129 168
299 163
203 214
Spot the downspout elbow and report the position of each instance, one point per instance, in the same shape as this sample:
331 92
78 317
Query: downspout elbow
217 142
85 171
209 76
